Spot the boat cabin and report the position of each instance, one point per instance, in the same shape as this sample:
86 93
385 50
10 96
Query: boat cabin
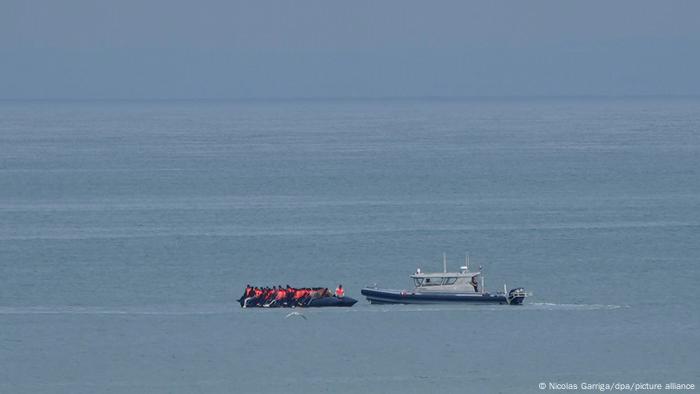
451 282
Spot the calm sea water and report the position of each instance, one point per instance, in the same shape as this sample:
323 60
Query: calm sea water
127 229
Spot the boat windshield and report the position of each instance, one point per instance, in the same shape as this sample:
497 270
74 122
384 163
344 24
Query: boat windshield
438 281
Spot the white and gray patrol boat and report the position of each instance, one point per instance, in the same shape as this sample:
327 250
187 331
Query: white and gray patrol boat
464 286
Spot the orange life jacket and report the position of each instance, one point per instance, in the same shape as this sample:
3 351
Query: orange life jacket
339 292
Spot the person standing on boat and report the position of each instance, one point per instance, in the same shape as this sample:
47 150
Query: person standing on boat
339 292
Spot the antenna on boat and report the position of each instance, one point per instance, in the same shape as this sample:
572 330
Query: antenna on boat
466 260
444 262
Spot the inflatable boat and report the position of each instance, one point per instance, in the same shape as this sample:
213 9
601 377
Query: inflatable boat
316 297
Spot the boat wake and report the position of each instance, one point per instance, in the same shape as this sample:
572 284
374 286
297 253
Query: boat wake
584 307
538 306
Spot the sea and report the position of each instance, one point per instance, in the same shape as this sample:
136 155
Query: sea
129 228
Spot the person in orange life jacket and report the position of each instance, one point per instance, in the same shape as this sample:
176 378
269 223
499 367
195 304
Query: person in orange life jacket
290 295
257 296
265 296
278 296
300 296
339 292
306 296
260 296
270 294
246 294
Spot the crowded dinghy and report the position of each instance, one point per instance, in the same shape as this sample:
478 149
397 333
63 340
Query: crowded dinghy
290 297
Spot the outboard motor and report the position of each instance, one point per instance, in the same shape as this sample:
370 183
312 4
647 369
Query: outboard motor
516 296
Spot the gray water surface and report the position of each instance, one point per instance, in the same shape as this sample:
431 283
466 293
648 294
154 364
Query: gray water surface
128 229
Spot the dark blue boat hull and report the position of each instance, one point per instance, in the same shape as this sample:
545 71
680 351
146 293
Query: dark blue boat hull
331 301
309 303
382 296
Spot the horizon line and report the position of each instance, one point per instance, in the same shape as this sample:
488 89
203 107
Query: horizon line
357 98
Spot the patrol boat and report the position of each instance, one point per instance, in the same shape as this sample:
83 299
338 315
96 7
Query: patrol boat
446 287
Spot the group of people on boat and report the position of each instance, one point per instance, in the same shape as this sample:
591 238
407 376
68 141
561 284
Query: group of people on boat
279 296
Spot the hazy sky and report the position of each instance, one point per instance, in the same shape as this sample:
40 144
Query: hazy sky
325 48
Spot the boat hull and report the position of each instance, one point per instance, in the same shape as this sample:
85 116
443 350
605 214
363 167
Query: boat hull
321 302
331 301
385 296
